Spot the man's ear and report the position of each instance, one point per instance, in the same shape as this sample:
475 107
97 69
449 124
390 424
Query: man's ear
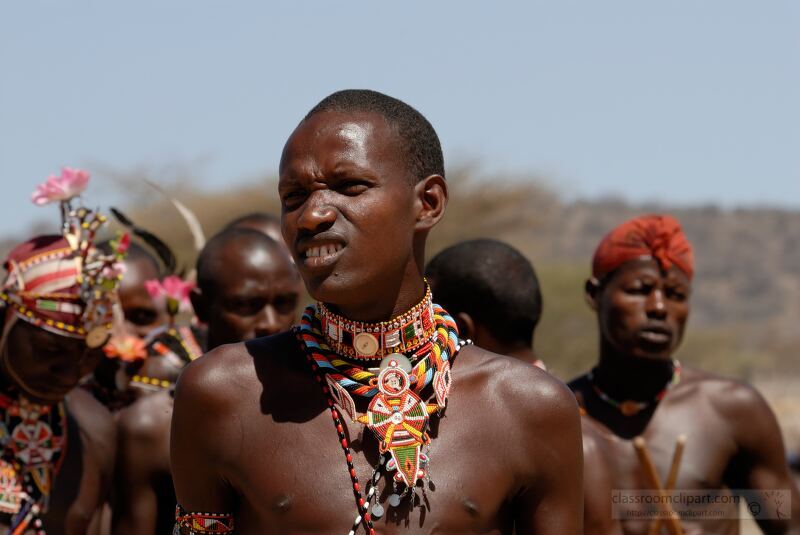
431 199
592 292
199 304
466 326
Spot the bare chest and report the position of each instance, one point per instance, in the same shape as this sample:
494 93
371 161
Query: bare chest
708 449
293 478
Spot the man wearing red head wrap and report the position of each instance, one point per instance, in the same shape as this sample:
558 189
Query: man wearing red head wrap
56 308
649 403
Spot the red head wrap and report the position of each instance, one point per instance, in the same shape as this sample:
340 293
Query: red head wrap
656 236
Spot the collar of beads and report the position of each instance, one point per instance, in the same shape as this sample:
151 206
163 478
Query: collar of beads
373 341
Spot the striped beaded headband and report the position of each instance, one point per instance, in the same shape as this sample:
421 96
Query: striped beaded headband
373 341
64 283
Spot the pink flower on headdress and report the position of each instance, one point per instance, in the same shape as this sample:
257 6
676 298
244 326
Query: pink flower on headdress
127 348
70 183
114 271
173 290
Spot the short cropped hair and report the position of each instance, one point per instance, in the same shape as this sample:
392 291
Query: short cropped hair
493 283
210 260
258 218
419 140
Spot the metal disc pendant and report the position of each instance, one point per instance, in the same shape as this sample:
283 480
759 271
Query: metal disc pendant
366 344
377 511
396 360
394 500
97 337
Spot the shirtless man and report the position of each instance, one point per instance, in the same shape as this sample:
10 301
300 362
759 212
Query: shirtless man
57 442
493 293
640 288
247 287
262 440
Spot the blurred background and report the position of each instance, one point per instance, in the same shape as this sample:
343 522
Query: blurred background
559 120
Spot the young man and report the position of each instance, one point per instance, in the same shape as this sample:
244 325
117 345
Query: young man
57 443
640 288
247 287
493 293
280 435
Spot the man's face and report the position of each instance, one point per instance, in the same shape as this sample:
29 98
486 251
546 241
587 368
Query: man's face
347 206
643 311
48 365
141 313
255 295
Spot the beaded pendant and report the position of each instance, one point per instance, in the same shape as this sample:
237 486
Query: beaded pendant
396 414
398 417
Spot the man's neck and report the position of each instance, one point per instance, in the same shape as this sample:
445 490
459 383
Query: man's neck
375 311
624 377
525 354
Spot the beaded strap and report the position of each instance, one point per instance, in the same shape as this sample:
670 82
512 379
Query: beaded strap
202 523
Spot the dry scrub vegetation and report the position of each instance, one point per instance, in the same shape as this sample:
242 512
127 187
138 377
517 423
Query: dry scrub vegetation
746 300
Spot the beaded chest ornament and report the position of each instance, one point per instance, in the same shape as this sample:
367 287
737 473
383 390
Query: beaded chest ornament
396 412
33 439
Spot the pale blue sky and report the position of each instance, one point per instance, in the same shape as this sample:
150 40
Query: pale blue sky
684 101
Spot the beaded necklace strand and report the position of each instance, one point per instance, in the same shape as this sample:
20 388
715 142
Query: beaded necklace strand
395 389
630 407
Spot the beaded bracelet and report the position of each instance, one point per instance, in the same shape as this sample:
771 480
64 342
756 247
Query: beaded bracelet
202 523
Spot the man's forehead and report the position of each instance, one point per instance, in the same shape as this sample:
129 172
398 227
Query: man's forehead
649 266
336 138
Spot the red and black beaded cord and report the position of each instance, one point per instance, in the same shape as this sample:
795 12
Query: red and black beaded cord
361 504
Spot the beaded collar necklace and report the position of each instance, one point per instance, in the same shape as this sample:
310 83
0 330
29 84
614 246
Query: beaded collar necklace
373 341
396 412
33 439
630 407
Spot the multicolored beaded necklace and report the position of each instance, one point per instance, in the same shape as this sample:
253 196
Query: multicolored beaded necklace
396 413
630 407
373 341
33 439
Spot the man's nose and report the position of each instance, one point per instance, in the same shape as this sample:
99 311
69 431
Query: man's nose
656 305
317 214
267 322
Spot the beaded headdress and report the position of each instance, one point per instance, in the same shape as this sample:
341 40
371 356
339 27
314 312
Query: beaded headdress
64 283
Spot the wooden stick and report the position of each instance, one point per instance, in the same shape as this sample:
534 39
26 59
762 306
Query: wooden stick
672 478
673 524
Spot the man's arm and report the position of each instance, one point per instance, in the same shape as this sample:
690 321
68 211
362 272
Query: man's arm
206 434
142 433
98 437
597 484
551 501
760 464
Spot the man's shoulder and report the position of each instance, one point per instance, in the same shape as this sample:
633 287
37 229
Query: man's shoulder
219 377
93 419
731 397
524 390
148 418
97 427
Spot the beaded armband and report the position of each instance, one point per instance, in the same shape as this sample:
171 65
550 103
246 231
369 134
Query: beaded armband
202 523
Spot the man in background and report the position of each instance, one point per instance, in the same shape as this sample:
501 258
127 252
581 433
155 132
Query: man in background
493 292
640 290
246 287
